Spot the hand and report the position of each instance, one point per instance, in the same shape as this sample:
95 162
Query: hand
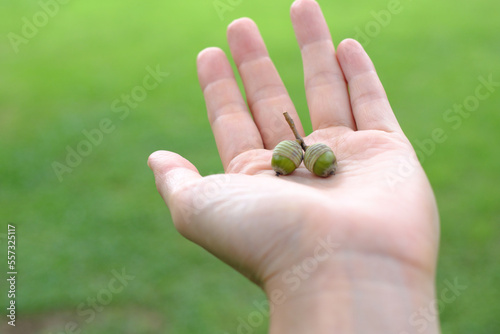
381 227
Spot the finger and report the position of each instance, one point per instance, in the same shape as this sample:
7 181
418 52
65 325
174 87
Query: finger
266 94
172 173
232 125
370 106
325 85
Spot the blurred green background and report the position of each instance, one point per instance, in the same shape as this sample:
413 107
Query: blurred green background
105 216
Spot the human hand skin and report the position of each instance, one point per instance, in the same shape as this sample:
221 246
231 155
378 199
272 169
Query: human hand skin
384 237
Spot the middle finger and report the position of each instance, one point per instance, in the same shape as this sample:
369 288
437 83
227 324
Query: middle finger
266 94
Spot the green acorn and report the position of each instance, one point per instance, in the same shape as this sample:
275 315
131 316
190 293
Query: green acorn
320 160
287 156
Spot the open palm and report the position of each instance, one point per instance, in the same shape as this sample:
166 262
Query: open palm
262 224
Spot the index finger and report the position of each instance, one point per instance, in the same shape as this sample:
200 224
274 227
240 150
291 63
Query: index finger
234 129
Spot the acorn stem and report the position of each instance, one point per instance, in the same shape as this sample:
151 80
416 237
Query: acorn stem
290 122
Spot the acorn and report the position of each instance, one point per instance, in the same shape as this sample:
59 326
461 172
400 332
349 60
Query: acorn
287 156
320 160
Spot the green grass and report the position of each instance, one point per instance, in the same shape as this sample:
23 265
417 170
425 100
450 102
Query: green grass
106 215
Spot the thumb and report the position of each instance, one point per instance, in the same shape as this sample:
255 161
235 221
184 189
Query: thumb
172 173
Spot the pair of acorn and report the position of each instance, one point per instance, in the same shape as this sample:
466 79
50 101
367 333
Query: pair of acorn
288 155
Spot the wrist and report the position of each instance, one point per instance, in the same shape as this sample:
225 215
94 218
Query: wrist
354 295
